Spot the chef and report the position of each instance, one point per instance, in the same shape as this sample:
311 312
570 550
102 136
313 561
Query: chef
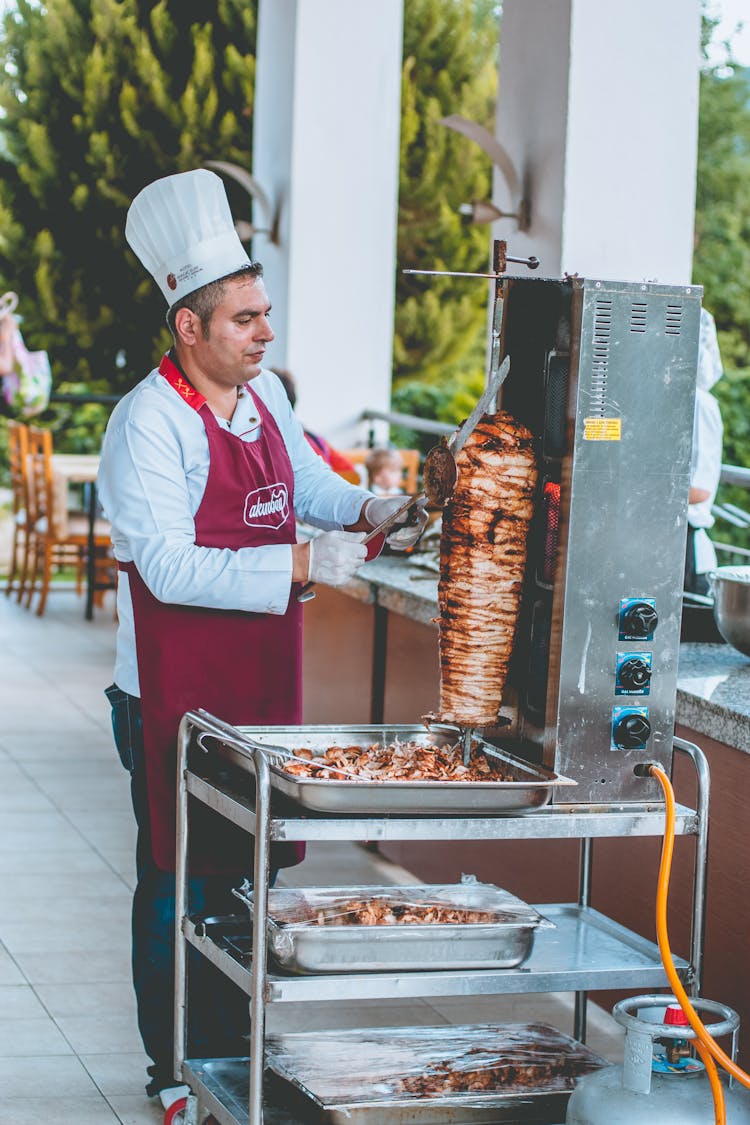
203 470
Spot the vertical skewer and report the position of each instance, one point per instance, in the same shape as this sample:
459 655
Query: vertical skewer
467 737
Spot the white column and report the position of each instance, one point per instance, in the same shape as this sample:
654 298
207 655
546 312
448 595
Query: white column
598 108
325 149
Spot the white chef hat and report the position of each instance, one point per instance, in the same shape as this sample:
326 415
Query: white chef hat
181 229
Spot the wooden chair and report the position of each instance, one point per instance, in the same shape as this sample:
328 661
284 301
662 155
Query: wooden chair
409 457
58 538
349 474
18 455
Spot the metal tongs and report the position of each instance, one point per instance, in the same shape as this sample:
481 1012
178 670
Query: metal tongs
288 756
307 592
240 737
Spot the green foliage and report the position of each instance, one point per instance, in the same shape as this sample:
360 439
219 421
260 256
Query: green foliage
722 218
447 401
722 252
78 427
450 66
98 98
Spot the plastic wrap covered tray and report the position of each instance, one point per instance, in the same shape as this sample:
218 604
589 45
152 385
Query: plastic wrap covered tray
430 1075
512 786
468 925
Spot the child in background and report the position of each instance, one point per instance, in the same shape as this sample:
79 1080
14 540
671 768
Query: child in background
385 472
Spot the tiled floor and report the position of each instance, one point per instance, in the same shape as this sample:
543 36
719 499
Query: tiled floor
69 1047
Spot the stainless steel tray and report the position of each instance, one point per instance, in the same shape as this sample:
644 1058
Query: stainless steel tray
300 944
530 786
359 1077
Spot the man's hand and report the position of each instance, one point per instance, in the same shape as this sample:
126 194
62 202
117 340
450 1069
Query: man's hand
410 526
335 556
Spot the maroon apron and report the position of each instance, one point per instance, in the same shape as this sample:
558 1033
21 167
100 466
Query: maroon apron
245 668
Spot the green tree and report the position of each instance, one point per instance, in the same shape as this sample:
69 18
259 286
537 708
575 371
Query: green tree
97 98
450 66
722 252
722 208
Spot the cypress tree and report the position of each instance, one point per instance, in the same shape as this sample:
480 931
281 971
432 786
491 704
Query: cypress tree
722 252
98 98
450 66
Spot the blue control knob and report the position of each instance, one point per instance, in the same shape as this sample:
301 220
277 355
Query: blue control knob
635 674
639 620
631 731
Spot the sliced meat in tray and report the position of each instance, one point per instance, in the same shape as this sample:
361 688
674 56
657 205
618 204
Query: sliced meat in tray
508 784
387 929
430 1075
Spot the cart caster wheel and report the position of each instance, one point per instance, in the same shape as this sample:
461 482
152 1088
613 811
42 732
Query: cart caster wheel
175 1115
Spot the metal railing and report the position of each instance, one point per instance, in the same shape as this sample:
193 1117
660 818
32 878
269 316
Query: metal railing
733 515
84 400
408 421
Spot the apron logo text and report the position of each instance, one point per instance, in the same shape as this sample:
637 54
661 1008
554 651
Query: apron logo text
267 506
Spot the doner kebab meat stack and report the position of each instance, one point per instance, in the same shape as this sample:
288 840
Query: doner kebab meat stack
482 566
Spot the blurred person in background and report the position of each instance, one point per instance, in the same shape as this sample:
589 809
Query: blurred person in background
385 472
705 469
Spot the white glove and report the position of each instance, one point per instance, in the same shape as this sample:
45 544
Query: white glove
335 556
379 508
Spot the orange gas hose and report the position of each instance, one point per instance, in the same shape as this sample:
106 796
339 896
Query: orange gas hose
706 1046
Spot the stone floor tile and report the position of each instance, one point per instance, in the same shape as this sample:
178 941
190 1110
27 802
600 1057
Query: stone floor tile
10 973
119 1075
87 999
71 770
67 968
122 861
26 1037
24 838
74 913
101 1034
47 862
56 1076
20 1001
27 800
91 1110
67 890
69 935
138 1111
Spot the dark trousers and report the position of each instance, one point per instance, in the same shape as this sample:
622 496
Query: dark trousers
218 1012
695 583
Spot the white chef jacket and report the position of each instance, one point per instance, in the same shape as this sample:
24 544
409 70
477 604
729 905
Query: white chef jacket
152 477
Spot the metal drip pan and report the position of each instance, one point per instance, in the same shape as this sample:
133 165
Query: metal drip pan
524 787
317 930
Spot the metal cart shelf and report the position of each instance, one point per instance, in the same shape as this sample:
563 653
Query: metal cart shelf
585 952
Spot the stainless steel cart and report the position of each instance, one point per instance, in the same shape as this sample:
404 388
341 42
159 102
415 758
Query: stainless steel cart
585 952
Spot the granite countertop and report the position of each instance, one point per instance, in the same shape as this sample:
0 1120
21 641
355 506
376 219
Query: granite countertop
398 585
713 682
713 693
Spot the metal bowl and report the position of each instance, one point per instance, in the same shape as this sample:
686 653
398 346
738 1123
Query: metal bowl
730 586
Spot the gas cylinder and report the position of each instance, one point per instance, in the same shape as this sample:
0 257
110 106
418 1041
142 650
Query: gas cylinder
659 1083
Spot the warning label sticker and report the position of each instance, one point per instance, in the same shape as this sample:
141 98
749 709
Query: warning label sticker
602 429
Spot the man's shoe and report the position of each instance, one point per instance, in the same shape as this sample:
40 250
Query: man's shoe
171 1094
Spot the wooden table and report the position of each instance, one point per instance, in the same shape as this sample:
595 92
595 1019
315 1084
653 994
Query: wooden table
79 468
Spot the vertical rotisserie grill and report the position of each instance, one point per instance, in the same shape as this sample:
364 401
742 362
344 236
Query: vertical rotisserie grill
603 375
